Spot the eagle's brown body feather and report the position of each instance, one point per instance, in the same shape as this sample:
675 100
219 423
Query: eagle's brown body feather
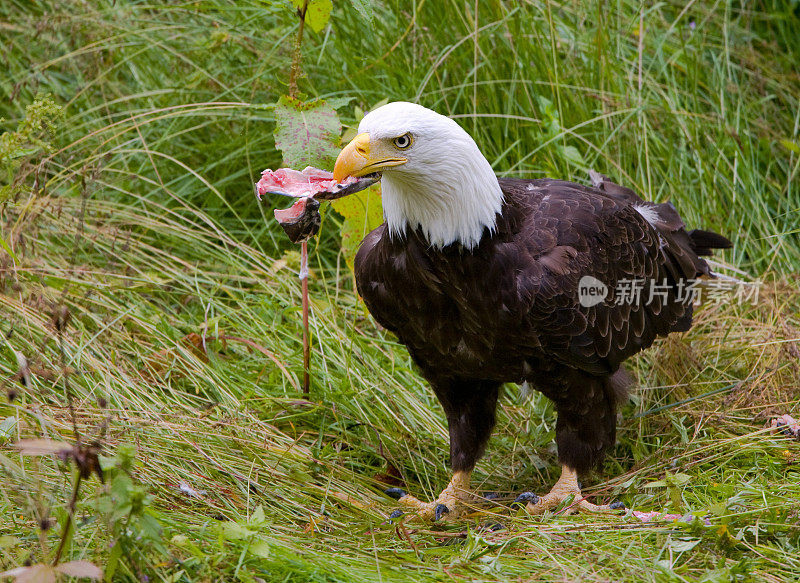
508 310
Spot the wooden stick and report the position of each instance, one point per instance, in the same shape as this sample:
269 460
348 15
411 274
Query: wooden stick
306 335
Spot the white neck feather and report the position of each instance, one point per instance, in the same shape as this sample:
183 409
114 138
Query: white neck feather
449 206
457 198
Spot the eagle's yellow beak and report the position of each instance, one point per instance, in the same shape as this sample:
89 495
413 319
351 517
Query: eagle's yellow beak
361 157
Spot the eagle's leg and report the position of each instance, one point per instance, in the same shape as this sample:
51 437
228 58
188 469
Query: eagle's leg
566 488
586 428
470 410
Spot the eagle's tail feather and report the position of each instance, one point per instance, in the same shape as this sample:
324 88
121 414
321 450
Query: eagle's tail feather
684 323
703 242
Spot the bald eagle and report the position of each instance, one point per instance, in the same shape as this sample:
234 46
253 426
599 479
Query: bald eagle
482 278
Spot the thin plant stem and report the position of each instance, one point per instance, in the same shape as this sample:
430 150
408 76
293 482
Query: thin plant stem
295 72
68 521
67 388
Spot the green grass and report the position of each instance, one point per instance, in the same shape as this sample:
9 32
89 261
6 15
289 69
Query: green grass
142 221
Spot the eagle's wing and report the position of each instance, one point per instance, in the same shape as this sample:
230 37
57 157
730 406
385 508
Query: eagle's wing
565 232
518 290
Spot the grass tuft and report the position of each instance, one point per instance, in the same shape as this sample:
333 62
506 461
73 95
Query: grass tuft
136 213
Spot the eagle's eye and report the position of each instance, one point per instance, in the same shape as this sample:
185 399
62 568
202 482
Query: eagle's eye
403 142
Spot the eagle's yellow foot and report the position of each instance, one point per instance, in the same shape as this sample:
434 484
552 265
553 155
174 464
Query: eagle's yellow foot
565 489
450 502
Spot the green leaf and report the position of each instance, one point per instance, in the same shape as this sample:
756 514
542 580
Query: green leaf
338 102
235 531
349 134
362 213
260 548
364 9
7 427
719 509
572 154
679 479
318 14
381 103
7 248
683 545
113 560
9 466
791 146
307 133
258 518
151 527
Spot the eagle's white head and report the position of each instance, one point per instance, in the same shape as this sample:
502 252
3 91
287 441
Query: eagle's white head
433 175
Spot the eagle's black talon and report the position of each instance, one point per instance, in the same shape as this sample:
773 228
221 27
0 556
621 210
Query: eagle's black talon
494 526
440 511
525 498
395 493
617 505
396 514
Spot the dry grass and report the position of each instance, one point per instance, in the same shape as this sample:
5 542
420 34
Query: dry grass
184 300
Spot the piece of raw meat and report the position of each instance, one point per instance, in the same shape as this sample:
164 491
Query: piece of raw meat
302 220
310 182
